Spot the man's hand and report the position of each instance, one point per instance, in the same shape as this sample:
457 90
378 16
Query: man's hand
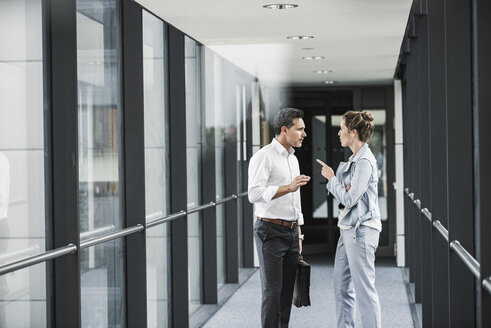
297 182
327 172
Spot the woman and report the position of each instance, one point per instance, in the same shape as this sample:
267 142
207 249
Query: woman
355 187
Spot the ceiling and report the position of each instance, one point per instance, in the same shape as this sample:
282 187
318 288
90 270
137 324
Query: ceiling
359 39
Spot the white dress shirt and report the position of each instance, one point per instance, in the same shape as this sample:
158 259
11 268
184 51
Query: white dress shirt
4 185
271 167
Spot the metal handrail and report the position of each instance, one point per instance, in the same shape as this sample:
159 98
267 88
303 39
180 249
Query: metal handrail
97 232
426 213
242 194
226 199
455 245
71 248
486 283
111 236
43 257
441 229
467 258
167 218
200 208
19 253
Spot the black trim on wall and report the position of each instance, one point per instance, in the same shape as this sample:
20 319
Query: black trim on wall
482 145
230 170
247 207
391 167
179 303
424 175
134 163
408 240
439 170
61 84
412 140
208 193
460 158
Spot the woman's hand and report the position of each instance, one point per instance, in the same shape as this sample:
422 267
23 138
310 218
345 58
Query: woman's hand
327 172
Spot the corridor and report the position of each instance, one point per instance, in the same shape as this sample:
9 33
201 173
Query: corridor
243 308
127 130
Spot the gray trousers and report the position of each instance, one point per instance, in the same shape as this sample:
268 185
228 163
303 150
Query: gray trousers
277 248
354 270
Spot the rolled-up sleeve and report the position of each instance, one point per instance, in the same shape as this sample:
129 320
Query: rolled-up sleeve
259 171
359 184
300 214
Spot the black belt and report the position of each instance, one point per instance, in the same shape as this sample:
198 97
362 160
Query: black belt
283 223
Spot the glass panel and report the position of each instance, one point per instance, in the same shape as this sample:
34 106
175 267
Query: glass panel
238 108
219 96
156 164
193 147
98 64
22 155
319 151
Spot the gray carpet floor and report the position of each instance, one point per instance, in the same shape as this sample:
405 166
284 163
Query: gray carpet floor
244 306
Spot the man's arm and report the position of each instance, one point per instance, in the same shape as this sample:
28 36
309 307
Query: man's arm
296 183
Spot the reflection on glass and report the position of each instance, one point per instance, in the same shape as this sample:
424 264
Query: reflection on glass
98 69
156 163
319 192
218 104
239 108
193 147
22 153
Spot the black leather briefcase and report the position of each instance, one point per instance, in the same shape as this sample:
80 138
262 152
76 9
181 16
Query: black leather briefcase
301 291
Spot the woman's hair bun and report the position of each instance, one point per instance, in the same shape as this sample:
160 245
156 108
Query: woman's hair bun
367 116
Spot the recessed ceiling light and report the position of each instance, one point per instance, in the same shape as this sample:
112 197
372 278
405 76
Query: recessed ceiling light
300 37
280 6
307 48
321 72
329 82
313 57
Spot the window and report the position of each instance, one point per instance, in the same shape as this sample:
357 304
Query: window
193 148
156 164
100 204
22 166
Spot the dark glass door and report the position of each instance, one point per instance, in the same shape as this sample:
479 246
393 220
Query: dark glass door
320 210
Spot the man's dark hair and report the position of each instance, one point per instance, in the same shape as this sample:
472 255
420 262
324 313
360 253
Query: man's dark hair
285 117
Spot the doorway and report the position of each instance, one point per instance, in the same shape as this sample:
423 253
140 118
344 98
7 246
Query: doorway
320 210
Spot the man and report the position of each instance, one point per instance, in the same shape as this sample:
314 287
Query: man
274 186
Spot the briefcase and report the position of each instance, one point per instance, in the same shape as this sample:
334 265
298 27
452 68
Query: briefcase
301 291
